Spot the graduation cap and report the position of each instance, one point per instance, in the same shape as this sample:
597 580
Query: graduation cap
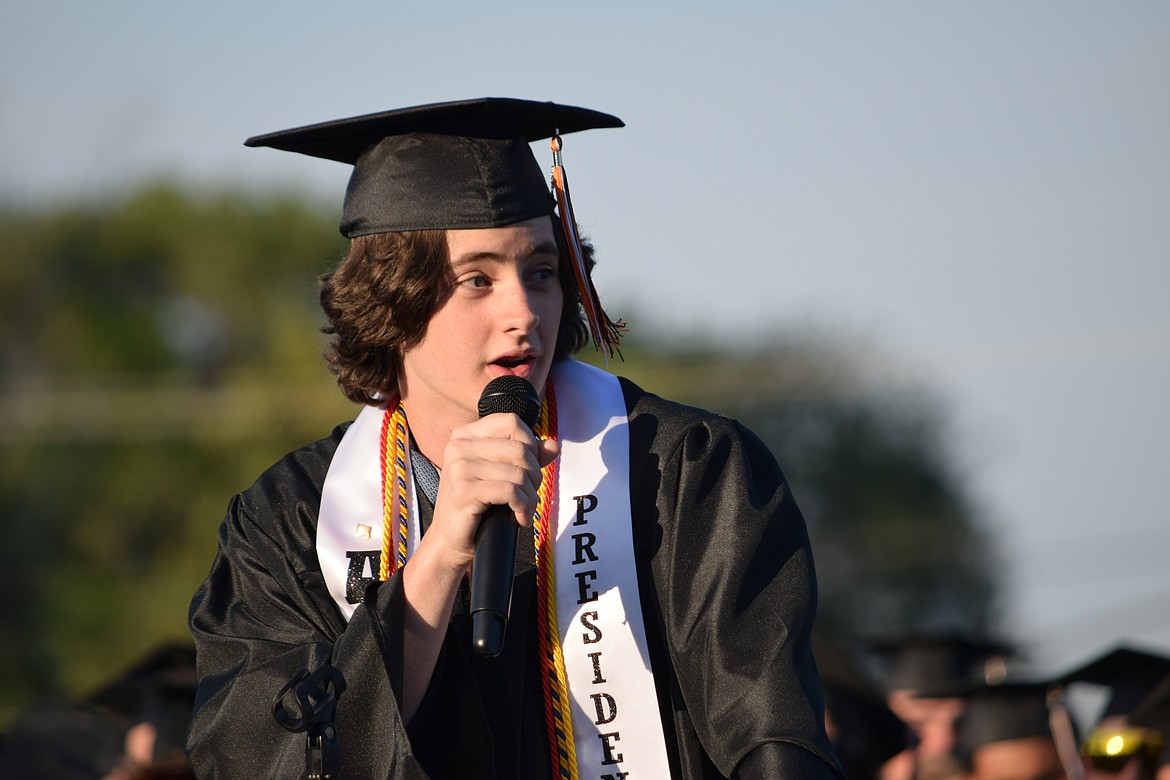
997 713
1129 673
456 165
926 663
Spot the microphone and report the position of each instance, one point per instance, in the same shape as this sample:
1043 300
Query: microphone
495 540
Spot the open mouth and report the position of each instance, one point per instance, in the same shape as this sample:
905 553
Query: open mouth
515 362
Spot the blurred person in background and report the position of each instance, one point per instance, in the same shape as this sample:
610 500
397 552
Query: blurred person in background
1005 733
919 671
132 728
864 730
155 697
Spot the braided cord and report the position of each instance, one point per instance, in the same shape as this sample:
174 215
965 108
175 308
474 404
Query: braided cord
402 502
394 492
558 719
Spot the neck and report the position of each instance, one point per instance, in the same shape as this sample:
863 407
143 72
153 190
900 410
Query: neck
431 429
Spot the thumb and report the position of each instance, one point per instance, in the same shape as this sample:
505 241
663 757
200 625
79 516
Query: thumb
547 450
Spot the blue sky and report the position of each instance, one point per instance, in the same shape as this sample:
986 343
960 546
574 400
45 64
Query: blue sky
975 195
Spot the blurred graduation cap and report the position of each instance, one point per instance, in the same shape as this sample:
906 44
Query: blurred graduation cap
997 713
454 166
929 663
441 166
1129 673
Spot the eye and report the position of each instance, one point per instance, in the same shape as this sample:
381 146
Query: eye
544 274
475 281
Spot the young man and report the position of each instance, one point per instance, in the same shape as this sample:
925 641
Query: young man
664 588
1006 734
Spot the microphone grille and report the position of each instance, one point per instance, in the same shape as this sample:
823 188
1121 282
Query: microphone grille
510 394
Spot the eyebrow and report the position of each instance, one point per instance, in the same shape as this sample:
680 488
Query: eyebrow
545 248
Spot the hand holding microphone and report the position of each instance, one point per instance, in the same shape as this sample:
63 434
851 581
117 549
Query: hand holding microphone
495 547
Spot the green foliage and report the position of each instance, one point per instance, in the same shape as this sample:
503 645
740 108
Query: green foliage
155 355
160 282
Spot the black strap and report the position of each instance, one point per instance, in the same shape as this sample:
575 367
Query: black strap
315 696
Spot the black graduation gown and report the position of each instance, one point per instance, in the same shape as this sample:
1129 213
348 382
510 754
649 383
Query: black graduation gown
728 596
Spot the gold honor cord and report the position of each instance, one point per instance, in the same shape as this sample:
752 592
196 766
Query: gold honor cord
557 713
395 495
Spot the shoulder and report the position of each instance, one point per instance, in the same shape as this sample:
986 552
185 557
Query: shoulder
667 427
285 499
640 402
300 472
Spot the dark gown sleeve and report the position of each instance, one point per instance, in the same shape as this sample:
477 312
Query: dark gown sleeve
264 613
731 585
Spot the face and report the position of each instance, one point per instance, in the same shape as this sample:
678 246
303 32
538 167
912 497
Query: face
932 720
501 318
1032 758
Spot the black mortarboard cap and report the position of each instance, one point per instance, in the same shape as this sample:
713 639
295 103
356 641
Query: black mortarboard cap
1129 673
997 713
441 166
925 662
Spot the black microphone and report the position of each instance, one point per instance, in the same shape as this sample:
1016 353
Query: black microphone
495 540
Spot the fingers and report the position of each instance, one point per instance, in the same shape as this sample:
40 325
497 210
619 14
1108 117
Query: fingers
495 461
498 446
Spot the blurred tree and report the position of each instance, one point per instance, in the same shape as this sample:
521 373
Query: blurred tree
158 352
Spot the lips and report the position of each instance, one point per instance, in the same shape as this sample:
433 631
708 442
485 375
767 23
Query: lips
518 363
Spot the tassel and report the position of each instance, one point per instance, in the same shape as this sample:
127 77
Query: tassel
607 333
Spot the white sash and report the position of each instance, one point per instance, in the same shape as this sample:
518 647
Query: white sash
349 527
616 724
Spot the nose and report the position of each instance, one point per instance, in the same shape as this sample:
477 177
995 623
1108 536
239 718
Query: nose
518 310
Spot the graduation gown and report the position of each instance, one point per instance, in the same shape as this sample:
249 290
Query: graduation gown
728 597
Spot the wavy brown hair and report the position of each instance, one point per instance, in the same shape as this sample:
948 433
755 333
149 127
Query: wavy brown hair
381 296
